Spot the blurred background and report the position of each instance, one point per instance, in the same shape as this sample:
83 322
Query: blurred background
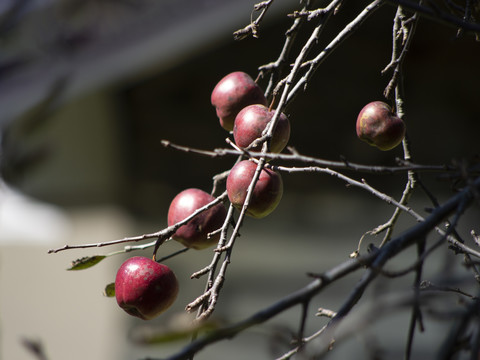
88 89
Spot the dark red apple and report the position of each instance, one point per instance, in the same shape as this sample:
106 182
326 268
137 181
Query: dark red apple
234 92
194 234
250 123
145 288
379 126
267 192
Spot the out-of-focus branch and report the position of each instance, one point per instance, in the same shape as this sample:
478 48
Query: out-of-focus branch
283 304
388 199
36 348
373 261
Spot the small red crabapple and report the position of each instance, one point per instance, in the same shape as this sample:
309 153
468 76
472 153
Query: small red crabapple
379 126
194 234
250 123
267 192
232 93
145 288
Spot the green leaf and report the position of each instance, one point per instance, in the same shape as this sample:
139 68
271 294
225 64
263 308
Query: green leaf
171 332
86 262
109 290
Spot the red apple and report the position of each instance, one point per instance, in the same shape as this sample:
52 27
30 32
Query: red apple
194 234
379 126
250 123
234 92
267 192
145 288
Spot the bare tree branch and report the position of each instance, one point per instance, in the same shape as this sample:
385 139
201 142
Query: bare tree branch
372 260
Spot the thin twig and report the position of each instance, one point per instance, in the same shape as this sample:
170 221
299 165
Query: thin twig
275 68
405 166
252 28
162 234
441 17
428 285
216 285
377 258
341 36
389 200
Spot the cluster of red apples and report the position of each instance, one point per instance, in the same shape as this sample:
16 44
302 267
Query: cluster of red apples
145 288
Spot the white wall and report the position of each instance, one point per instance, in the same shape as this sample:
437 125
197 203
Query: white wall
40 300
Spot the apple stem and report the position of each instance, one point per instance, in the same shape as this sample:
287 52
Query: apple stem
271 103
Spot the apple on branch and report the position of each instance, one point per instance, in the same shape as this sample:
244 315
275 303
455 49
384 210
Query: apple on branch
250 123
145 288
195 233
267 192
379 126
232 93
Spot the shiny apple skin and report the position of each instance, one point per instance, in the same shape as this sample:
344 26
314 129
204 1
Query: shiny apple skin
250 123
232 93
145 288
379 126
194 234
267 193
